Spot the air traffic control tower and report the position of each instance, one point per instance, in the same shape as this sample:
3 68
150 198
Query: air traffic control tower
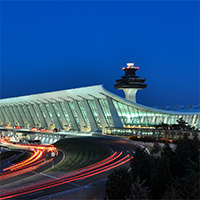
130 83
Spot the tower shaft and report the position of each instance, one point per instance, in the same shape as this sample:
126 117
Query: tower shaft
130 83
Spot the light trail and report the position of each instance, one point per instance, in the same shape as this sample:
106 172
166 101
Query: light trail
86 172
29 164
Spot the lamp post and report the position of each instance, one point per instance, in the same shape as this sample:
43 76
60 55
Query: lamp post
53 155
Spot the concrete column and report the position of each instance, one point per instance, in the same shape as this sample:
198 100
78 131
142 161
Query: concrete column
47 117
30 119
71 116
142 119
12 112
154 118
42 119
102 117
80 116
2 117
55 117
8 116
18 116
25 120
93 124
116 120
194 120
166 118
5 115
62 116
35 118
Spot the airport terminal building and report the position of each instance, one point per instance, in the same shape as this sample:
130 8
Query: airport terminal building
92 109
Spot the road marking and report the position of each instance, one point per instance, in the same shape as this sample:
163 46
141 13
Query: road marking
74 184
35 193
49 176
80 180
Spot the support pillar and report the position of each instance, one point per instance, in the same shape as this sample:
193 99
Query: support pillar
9 116
12 112
2 117
25 120
116 120
21 122
48 119
102 117
42 119
93 124
30 119
71 117
62 116
79 113
55 117
35 118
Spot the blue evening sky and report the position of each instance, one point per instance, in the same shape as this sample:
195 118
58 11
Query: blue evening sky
56 45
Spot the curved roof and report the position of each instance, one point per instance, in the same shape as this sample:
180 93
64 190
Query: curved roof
89 93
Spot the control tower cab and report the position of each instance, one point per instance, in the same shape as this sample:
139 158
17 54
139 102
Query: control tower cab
130 83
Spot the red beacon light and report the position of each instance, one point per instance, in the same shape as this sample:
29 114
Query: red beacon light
41 129
137 67
123 68
34 129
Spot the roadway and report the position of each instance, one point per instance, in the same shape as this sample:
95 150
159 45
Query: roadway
42 183
14 180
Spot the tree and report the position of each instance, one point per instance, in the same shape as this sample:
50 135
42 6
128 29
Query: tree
156 148
161 177
138 191
142 165
182 125
169 153
172 193
187 150
118 184
186 187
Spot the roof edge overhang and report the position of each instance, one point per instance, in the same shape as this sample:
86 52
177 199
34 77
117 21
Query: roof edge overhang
89 92
148 108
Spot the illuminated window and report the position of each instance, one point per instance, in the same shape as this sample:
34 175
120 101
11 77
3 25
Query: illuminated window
94 112
83 112
71 105
64 112
106 111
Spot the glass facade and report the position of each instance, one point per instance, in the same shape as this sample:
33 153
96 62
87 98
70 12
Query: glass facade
71 105
83 112
49 112
36 112
106 111
91 111
94 112
57 113
65 112
42 111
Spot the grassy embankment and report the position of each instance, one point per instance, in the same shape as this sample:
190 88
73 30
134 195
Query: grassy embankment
80 153
24 157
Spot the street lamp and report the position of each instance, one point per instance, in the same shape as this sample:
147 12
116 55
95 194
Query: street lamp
53 155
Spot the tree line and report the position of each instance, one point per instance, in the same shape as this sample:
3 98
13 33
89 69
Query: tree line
166 173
